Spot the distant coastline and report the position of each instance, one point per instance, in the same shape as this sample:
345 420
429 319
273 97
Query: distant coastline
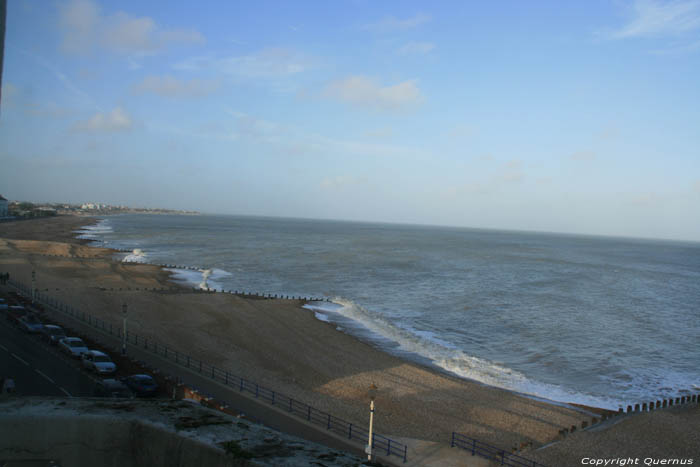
29 210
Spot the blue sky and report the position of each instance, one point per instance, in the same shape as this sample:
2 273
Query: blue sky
580 117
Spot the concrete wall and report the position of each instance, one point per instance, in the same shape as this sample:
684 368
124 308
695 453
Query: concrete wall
99 441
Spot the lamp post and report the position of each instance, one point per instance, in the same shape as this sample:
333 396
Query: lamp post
33 286
124 333
372 395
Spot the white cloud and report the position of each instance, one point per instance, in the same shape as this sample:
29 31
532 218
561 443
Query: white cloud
266 63
510 172
116 120
656 18
416 48
169 86
84 27
340 181
583 156
379 133
255 128
272 65
391 23
288 139
364 92
23 100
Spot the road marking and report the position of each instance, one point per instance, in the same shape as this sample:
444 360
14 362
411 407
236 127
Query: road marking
65 392
44 375
19 358
4 348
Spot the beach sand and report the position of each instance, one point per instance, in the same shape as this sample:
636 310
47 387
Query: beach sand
276 343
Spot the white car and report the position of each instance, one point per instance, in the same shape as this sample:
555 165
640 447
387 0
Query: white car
99 362
73 346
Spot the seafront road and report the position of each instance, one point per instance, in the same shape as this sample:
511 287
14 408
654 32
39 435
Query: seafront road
37 369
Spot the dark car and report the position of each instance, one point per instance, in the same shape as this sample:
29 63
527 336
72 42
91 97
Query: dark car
52 333
141 385
31 323
112 388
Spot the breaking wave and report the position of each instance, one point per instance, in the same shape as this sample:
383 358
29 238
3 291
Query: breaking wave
423 347
93 232
200 278
136 256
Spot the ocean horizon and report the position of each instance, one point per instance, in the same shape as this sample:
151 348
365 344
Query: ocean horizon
574 318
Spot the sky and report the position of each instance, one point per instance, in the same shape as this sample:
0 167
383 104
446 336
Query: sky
576 117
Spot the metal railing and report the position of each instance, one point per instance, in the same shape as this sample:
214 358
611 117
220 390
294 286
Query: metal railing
381 444
490 452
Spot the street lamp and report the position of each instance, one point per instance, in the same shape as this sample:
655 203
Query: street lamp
124 333
33 286
372 395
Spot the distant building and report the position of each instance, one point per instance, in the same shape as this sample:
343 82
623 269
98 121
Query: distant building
3 207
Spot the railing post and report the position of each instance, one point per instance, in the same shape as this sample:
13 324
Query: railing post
404 453
188 361
452 443
290 404
350 432
388 447
329 421
256 390
473 447
227 378
212 373
241 379
273 397
308 416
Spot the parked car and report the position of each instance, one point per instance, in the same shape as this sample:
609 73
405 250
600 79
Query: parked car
52 333
30 323
141 385
112 388
99 362
15 312
73 346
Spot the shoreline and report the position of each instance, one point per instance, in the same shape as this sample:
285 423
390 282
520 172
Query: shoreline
188 284
331 369
88 221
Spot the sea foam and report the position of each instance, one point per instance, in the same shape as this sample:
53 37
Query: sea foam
200 278
93 232
425 347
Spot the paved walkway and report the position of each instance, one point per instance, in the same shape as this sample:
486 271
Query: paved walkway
431 454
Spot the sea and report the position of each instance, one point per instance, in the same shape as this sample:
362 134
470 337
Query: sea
599 321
